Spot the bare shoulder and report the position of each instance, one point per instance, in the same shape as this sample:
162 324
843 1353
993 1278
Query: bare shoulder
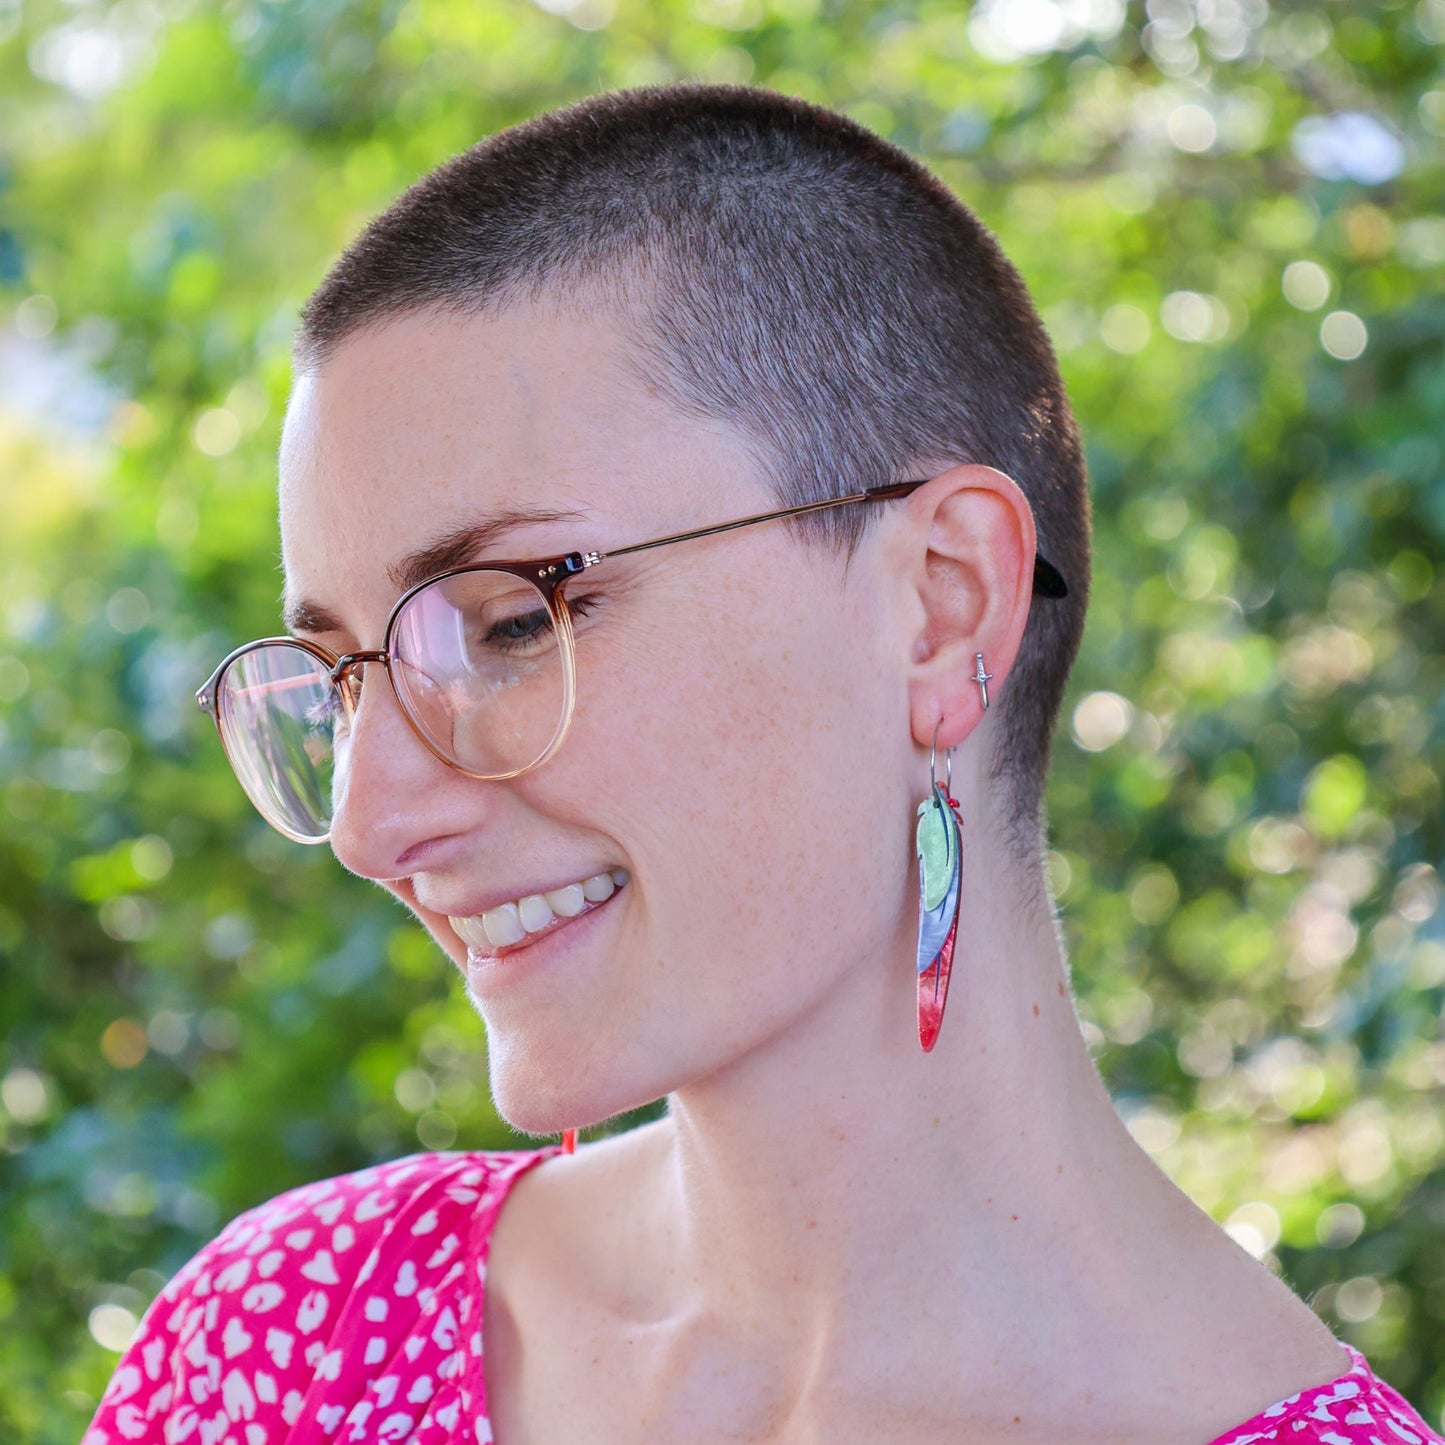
564 1221
1182 1375
562 1256
1224 1340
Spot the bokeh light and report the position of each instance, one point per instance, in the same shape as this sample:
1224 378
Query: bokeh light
1231 217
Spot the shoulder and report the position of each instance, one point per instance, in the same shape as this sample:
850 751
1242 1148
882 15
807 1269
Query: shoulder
1357 1408
332 1282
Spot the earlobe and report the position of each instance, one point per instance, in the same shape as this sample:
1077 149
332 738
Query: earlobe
946 725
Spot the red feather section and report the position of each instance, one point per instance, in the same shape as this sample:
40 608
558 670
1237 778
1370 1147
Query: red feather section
933 991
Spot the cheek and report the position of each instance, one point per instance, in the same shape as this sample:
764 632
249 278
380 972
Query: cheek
757 762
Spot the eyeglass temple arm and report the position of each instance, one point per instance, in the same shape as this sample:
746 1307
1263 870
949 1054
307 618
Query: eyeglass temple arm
1048 581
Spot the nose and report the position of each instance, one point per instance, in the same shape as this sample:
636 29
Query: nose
390 794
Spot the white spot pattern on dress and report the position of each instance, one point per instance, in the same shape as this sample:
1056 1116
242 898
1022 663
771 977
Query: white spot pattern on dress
351 1310
335 1311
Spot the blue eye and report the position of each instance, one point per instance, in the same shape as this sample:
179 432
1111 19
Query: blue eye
515 634
526 630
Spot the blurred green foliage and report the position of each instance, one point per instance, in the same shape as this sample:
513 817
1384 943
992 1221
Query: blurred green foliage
1233 218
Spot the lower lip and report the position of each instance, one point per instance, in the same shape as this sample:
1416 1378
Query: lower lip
485 970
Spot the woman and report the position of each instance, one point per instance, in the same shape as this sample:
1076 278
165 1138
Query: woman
686 546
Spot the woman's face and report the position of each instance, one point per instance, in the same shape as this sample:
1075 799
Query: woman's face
741 743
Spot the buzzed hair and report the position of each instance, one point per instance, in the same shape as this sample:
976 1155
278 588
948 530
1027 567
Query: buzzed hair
779 268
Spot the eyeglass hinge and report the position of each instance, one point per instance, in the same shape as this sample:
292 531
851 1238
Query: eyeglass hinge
572 563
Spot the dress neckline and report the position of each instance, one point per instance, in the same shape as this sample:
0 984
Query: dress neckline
479 1251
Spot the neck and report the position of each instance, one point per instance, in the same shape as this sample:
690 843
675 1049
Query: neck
838 1170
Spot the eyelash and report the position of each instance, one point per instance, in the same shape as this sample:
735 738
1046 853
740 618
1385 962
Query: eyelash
581 606
577 607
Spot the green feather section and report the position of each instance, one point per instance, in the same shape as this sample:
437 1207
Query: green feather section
934 856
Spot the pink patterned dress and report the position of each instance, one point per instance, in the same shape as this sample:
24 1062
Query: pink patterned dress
350 1310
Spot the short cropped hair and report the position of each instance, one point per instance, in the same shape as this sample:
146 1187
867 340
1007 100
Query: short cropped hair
781 269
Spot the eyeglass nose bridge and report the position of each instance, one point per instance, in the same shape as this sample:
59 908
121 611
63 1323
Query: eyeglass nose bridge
346 674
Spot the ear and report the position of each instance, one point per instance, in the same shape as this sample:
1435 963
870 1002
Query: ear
969 564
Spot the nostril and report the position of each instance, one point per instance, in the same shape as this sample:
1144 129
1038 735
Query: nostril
416 858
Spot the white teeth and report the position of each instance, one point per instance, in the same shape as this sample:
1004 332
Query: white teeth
471 932
510 923
536 913
567 902
503 925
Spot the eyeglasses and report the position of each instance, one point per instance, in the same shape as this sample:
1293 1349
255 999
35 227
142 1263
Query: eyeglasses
482 661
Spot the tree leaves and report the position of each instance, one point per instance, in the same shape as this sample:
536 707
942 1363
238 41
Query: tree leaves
1232 219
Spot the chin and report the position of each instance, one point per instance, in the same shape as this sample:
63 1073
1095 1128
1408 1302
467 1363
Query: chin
540 1095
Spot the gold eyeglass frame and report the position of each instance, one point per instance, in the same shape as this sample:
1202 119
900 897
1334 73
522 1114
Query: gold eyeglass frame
549 575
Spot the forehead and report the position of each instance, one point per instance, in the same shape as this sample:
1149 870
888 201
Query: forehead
420 426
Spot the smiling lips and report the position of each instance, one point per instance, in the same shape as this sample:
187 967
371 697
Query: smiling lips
509 924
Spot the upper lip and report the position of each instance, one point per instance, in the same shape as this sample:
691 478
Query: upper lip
478 904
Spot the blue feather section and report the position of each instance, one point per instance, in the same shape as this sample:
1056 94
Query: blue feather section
934 924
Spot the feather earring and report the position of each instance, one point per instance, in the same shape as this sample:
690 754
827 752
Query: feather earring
940 886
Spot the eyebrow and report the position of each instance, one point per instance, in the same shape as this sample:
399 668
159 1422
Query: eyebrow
456 548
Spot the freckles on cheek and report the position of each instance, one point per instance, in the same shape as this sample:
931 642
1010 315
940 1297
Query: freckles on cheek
739 694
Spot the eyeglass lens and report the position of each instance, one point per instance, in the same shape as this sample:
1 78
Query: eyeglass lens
478 666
